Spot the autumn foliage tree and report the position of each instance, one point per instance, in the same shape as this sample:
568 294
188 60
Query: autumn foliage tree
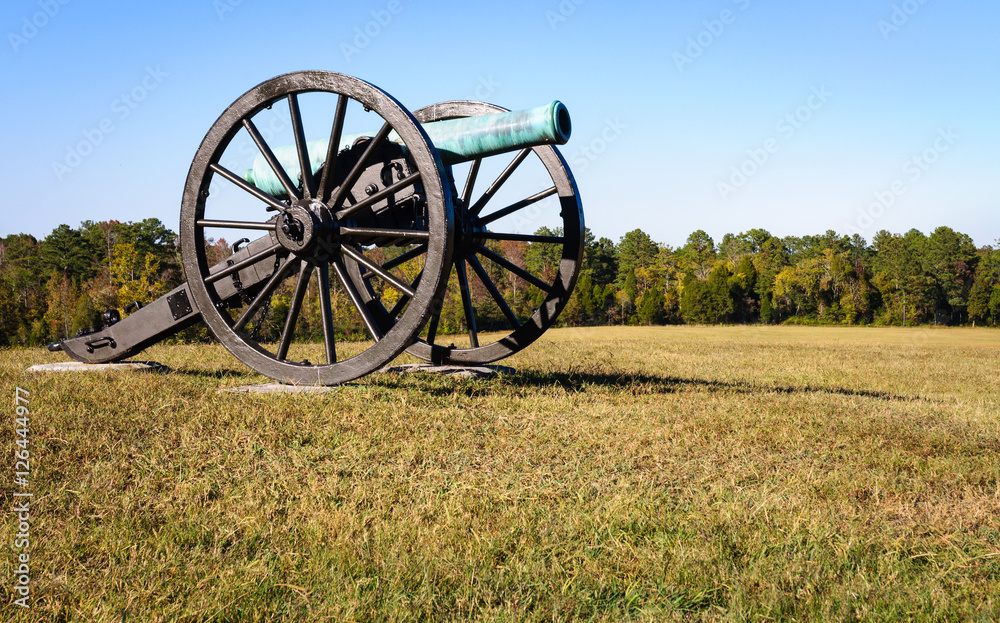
135 277
51 288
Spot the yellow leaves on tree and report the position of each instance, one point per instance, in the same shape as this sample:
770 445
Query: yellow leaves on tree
135 278
61 298
407 274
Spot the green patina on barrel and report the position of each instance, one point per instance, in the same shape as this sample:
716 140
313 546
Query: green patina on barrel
457 140
468 138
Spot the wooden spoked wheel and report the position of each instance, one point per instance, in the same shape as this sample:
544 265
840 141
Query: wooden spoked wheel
328 213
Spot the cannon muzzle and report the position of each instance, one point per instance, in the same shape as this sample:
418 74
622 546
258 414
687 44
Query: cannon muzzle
469 138
456 140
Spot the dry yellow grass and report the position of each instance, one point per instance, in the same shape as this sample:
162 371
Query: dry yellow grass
669 473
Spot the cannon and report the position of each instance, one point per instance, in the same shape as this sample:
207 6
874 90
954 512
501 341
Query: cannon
369 222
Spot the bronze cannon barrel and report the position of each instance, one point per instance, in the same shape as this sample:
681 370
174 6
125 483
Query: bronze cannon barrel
456 140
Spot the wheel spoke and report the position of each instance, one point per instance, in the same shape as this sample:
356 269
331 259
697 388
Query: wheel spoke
497 183
293 310
371 233
514 207
470 316
329 342
401 303
337 199
268 226
489 235
514 268
432 327
264 295
470 182
332 148
379 196
406 257
272 203
272 161
397 308
375 268
494 292
238 266
355 297
305 168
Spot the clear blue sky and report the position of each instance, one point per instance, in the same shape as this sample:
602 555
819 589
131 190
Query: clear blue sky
669 100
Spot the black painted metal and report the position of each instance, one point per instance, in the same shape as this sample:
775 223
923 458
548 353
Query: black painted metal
133 333
370 210
166 315
309 232
179 304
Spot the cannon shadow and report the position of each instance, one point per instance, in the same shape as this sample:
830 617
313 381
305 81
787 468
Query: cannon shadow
578 381
220 374
667 384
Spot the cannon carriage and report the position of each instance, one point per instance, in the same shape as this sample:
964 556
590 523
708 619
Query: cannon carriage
371 215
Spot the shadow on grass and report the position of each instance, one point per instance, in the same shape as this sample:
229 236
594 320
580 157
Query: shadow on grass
650 383
572 380
221 374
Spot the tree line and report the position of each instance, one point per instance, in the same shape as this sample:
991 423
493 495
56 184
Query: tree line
52 288
756 277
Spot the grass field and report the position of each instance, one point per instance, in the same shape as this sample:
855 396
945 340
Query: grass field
669 473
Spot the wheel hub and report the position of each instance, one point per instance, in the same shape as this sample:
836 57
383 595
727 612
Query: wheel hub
297 228
468 234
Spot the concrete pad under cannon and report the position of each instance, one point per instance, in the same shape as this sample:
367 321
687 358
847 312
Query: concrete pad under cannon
465 372
276 388
119 366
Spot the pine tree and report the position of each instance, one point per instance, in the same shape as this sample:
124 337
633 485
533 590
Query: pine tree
650 309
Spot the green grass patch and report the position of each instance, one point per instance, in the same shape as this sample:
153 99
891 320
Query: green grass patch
667 473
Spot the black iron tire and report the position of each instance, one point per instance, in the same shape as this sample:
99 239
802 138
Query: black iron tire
390 339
